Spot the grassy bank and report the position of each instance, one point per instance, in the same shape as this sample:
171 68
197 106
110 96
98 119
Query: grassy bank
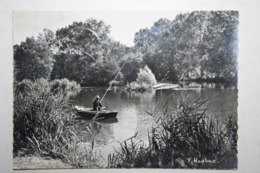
36 162
185 137
44 123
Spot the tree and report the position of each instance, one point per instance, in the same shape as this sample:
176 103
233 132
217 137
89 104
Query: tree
86 53
134 61
33 59
223 57
146 40
197 45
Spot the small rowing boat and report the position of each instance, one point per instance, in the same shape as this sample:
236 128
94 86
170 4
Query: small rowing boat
90 113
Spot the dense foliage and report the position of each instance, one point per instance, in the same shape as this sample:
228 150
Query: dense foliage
86 53
38 109
145 80
82 52
193 46
34 57
146 76
44 123
197 45
185 137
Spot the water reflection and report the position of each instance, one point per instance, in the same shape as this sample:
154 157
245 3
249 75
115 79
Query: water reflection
132 107
100 130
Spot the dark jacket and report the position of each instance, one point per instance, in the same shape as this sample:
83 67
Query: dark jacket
97 105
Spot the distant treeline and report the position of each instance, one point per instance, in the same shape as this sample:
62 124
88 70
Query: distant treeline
198 46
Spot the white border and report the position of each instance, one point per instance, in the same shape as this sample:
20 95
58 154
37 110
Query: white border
249 70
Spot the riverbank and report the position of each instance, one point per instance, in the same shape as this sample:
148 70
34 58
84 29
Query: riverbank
37 162
186 137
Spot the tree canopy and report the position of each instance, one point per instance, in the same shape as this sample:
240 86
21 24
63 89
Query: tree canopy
194 46
34 58
197 45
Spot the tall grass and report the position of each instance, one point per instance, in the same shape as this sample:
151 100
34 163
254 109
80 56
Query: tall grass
44 124
184 137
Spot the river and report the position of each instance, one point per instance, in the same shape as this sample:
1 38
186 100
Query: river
132 107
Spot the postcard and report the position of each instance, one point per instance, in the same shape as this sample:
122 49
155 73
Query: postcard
125 89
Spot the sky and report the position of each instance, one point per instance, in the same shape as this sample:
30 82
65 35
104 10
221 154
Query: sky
124 24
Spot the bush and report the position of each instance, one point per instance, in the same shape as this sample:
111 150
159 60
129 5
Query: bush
38 115
134 86
146 76
145 80
183 138
64 85
44 123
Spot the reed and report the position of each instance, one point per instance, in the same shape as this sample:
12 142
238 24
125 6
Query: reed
44 125
184 137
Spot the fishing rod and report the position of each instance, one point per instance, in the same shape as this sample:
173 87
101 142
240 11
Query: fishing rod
113 81
93 119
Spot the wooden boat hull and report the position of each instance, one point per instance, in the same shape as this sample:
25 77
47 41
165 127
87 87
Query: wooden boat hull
90 113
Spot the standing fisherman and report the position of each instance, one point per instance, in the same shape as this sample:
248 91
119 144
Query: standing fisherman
97 104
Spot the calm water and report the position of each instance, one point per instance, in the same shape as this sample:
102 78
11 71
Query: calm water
131 107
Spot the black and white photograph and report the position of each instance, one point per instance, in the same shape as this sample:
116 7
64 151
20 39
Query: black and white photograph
125 89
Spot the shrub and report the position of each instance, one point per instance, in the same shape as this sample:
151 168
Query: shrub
145 80
134 86
64 85
44 123
146 76
38 114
